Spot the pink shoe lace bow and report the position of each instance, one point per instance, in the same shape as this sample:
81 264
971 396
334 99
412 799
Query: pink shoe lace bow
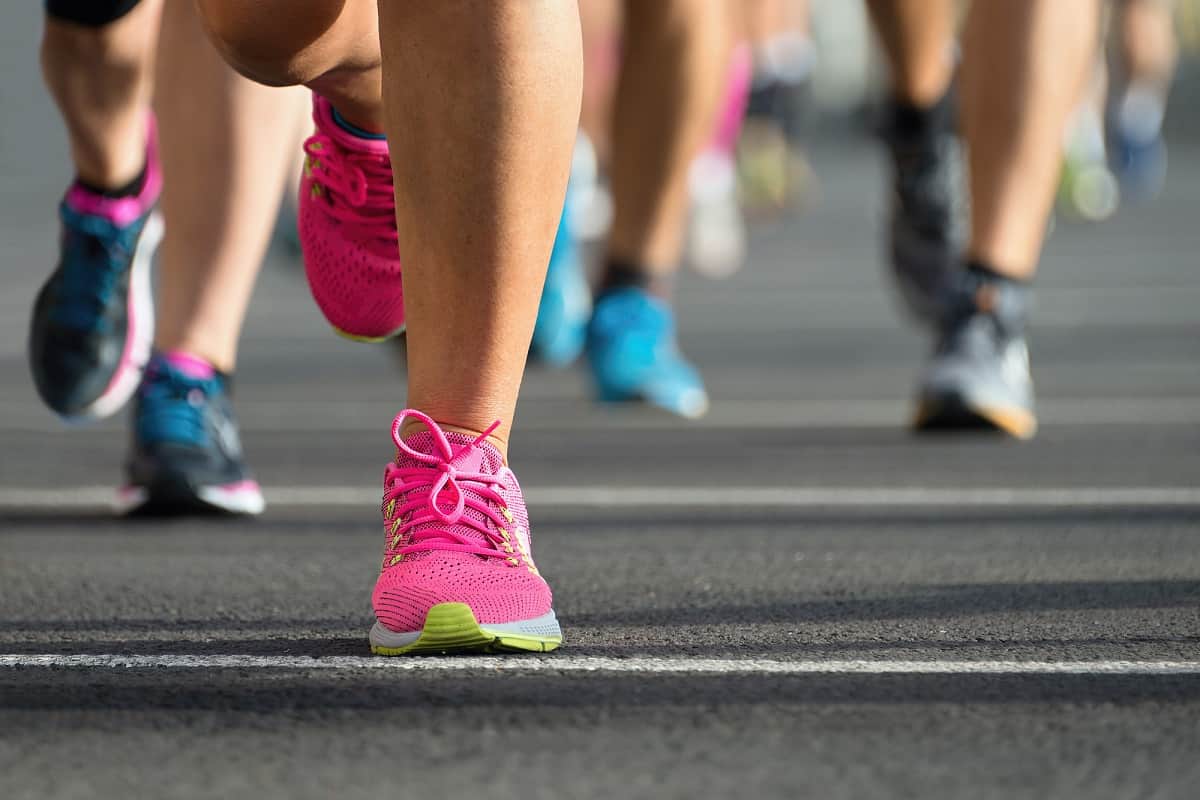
359 186
425 523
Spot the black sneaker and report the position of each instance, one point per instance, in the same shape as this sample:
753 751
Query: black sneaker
927 229
187 456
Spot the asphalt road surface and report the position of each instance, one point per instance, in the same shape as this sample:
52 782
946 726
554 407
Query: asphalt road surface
793 597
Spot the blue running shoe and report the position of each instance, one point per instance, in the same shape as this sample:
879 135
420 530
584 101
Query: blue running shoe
1140 164
93 320
561 329
1136 147
633 355
187 455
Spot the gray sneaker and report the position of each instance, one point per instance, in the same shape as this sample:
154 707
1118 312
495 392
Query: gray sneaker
927 226
978 377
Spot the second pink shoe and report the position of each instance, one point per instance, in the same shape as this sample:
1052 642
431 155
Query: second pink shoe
347 226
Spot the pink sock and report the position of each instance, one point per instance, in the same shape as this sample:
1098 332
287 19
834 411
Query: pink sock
190 365
737 94
122 211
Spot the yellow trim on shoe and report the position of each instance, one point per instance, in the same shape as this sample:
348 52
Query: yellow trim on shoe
368 339
452 628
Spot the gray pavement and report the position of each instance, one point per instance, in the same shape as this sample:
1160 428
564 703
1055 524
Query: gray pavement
758 646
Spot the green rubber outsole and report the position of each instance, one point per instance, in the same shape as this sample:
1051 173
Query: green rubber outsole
452 628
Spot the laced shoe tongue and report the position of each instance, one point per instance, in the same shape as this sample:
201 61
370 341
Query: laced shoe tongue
482 458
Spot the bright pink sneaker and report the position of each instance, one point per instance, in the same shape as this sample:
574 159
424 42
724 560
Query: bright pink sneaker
457 572
347 226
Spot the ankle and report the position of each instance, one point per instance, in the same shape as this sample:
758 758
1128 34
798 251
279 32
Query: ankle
984 271
362 131
498 438
190 364
981 289
116 191
221 359
911 119
623 274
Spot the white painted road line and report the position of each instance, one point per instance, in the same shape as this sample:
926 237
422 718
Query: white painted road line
1094 497
599 664
567 414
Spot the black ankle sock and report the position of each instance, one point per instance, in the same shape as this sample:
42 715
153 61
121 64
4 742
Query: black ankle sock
985 273
910 121
620 274
130 189
984 290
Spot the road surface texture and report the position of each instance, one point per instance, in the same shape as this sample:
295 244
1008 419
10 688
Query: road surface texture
794 597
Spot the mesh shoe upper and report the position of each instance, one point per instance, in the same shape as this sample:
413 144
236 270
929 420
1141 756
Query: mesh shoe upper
185 434
347 228
456 531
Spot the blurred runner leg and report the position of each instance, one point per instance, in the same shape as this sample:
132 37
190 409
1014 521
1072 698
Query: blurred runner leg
92 321
224 170
600 21
1025 66
926 230
673 71
480 144
1147 52
773 171
1087 188
716 232
560 335
592 213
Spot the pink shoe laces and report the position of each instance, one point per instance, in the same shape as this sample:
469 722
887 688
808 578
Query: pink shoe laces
413 497
357 188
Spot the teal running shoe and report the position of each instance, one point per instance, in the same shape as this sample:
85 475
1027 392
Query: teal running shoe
560 333
634 355
187 455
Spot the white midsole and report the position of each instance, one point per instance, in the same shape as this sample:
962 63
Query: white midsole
242 500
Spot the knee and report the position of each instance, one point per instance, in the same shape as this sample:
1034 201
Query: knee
251 39
94 14
96 41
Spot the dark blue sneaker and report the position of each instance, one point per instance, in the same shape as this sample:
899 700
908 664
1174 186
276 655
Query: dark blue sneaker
1140 164
93 320
634 356
187 455
566 305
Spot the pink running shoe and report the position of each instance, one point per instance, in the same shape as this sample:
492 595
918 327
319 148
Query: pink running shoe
347 226
457 572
